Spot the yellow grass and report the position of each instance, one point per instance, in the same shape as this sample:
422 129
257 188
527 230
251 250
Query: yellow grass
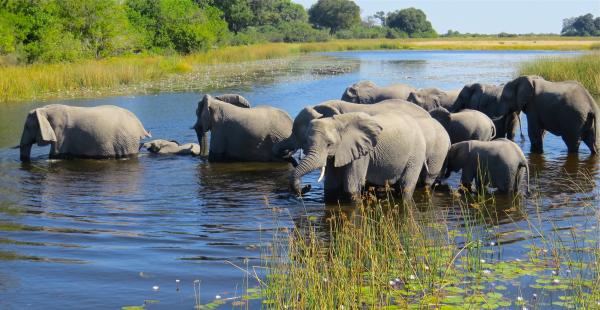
101 77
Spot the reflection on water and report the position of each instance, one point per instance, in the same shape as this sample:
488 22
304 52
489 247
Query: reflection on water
101 234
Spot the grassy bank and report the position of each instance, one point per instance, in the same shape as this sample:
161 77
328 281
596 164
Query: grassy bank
394 256
585 69
139 74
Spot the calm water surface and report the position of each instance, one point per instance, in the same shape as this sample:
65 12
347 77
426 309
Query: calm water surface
101 234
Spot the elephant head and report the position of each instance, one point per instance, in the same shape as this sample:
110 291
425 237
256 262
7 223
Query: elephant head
359 92
38 130
458 157
341 139
518 92
204 114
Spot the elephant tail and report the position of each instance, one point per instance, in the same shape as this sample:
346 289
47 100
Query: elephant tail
518 175
493 131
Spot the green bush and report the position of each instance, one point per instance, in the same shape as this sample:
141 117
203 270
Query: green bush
362 32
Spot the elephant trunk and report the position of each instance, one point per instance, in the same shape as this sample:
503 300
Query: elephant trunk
285 148
311 162
202 139
25 152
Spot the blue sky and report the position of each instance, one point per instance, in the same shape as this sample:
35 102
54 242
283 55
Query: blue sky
487 16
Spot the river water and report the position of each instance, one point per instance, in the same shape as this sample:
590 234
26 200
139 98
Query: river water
102 234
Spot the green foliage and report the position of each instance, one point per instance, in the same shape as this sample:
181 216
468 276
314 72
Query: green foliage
411 21
584 25
334 14
363 32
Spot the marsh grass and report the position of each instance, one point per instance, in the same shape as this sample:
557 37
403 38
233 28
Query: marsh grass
584 68
134 74
390 255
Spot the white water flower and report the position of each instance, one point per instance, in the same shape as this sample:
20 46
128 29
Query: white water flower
397 279
156 288
218 297
177 281
519 298
324 279
487 271
534 295
482 261
392 283
553 272
556 281
492 243
412 277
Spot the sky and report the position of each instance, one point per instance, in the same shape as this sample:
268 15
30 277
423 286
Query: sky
487 16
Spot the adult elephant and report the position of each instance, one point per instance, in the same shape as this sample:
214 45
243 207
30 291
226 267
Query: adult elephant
565 109
465 125
436 137
431 98
355 148
238 132
100 132
367 92
486 99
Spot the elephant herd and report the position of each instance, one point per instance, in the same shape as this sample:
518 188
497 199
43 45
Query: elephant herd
374 136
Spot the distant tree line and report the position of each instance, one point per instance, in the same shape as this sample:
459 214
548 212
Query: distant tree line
584 25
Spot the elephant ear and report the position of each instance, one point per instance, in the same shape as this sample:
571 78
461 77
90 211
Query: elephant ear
359 134
327 110
46 131
204 110
459 154
463 98
234 99
525 91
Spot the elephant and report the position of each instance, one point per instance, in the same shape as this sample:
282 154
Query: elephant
497 163
486 98
565 109
465 125
355 148
100 132
238 132
171 147
367 92
437 140
431 98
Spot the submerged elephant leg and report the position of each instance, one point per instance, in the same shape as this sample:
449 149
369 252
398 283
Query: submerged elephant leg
572 142
536 137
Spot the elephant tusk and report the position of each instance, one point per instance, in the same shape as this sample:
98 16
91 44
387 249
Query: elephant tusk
322 175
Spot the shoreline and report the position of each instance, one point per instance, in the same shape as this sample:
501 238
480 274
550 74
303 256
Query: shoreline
143 74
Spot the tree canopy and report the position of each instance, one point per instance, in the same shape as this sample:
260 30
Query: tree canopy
411 21
334 14
584 25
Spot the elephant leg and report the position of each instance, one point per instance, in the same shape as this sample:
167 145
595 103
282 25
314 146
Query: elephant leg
589 134
406 184
572 141
536 136
468 174
333 183
511 126
355 178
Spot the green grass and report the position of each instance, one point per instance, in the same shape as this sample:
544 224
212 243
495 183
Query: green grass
585 69
396 256
138 74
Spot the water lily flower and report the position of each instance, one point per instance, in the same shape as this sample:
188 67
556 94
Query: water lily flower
218 297
482 261
487 271
156 288
412 277
556 281
519 298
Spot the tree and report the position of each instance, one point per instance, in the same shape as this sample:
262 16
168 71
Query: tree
412 21
334 14
272 12
381 16
584 25
237 13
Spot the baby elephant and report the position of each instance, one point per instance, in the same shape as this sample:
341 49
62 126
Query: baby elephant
172 147
496 163
465 125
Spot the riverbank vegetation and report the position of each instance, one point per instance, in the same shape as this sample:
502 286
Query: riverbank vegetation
388 255
137 74
584 68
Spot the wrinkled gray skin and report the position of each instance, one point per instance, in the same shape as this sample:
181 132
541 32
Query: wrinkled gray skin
565 109
465 125
436 138
356 148
79 132
486 99
367 92
171 147
431 98
238 132
498 163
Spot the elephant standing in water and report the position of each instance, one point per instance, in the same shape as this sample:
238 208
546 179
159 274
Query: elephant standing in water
79 132
465 125
171 147
355 148
498 163
431 98
565 109
367 92
238 132
436 138
486 99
